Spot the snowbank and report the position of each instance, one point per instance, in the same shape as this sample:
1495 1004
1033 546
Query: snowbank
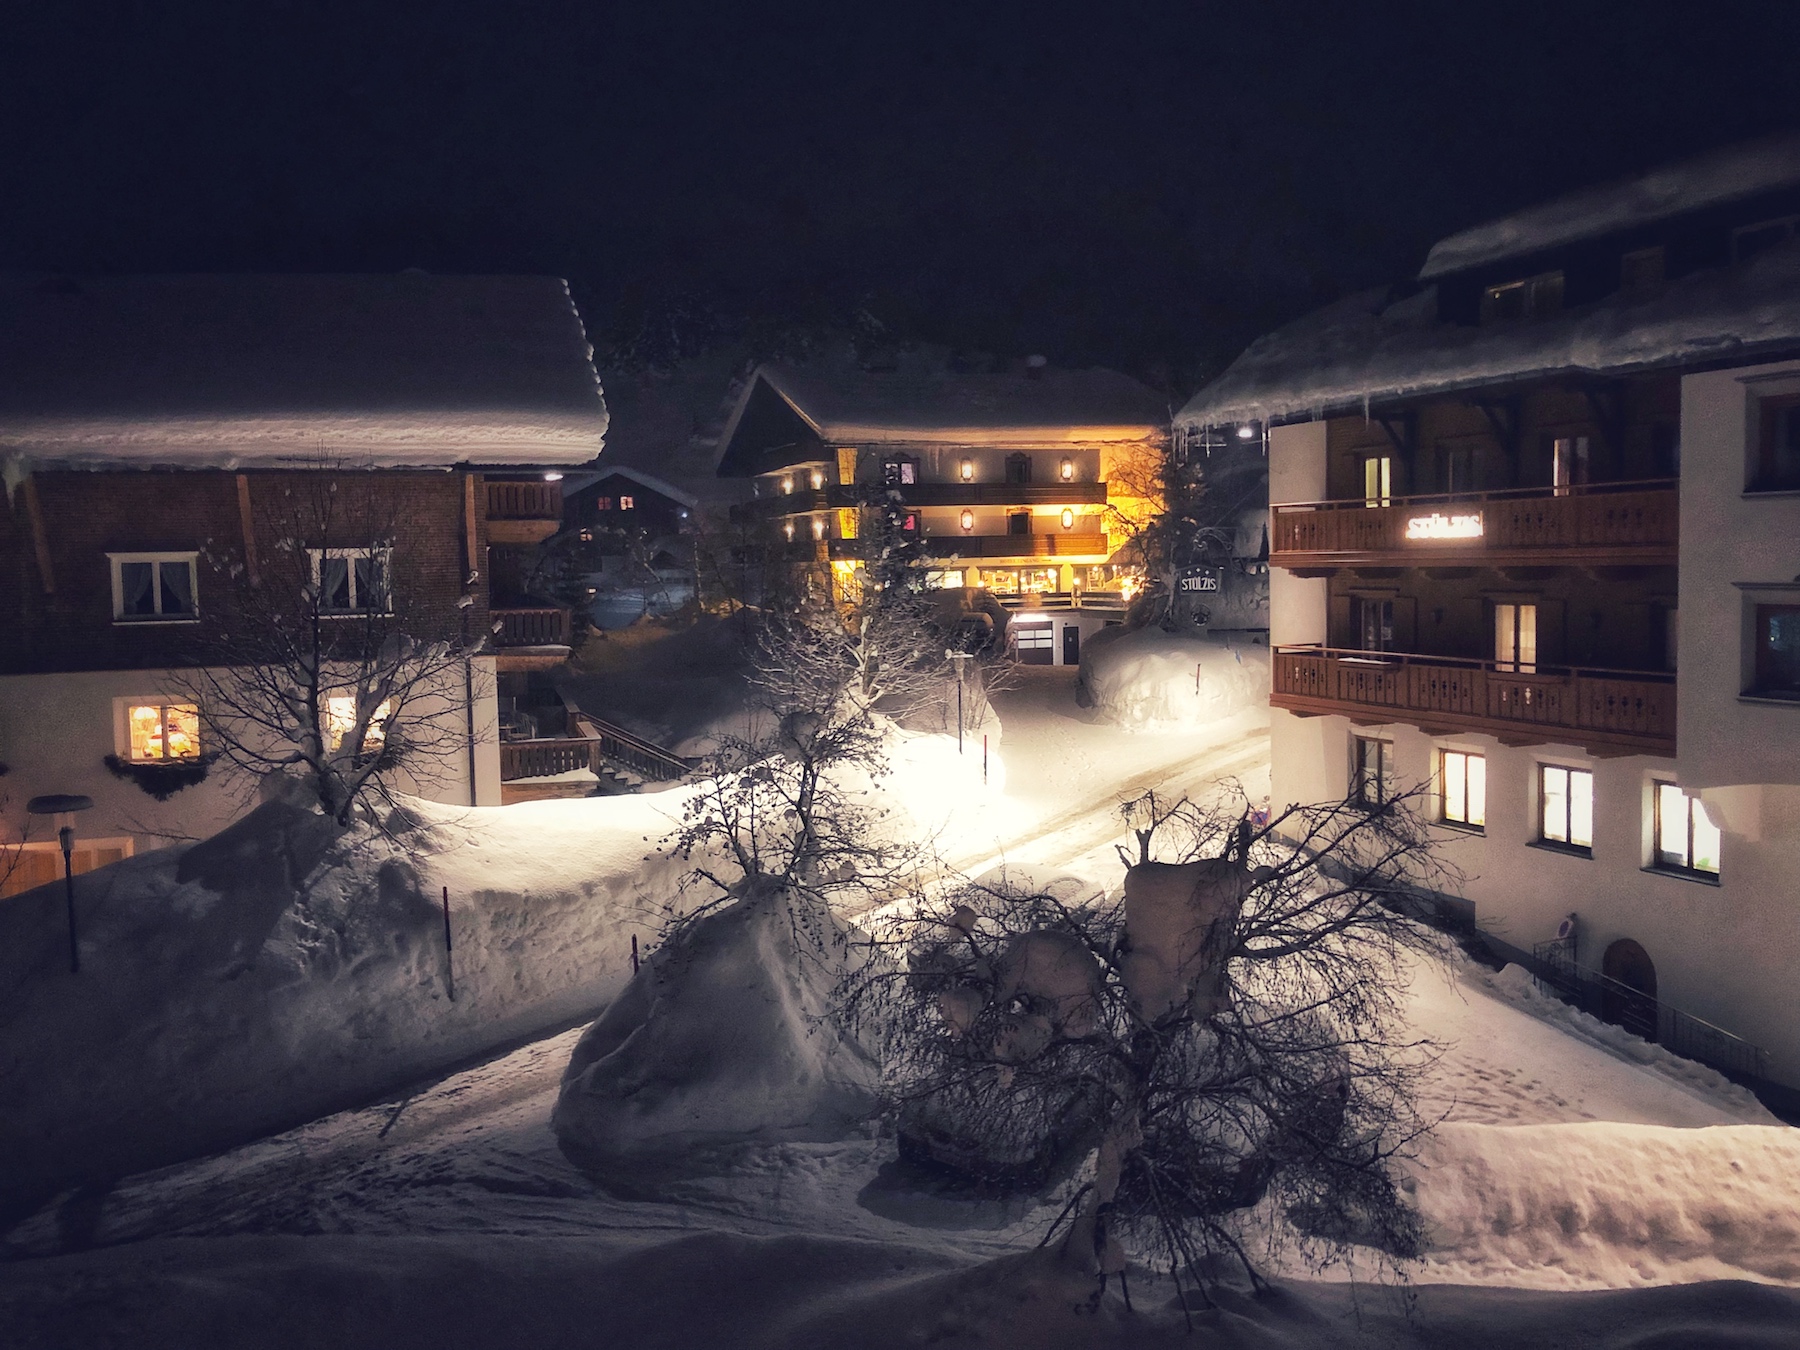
722 1038
283 969
1146 679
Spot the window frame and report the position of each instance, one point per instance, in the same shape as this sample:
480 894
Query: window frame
1566 844
1443 784
191 557
1762 476
163 702
1359 776
1684 865
1761 685
384 552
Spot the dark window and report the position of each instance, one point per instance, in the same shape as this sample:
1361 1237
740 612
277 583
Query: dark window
1374 623
1019 522
1778 651
351 580
147 587
1777 467
1531 298
1459 468
1665 449
1018 470
1371 771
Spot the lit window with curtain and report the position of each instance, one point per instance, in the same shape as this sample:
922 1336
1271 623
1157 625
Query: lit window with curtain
1686 838
1462 787
156 732
1566 807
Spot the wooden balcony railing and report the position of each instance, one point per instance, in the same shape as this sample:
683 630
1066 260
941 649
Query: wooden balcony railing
543 758
810 501
1622 523
531 626
1606 711
524 501
1060 544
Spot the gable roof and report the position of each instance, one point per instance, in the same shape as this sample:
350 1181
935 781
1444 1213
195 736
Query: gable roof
842 404
1721 176
228 371
593 478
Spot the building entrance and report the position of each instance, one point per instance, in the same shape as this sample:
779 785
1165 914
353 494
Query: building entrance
1629 997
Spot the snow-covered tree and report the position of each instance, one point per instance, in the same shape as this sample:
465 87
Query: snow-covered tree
1221 1037
325 667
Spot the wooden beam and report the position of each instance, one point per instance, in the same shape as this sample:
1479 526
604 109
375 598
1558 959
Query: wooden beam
246 524
472 557
40 538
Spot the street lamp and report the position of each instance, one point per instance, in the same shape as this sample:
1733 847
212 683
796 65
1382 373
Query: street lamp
63 806
957 659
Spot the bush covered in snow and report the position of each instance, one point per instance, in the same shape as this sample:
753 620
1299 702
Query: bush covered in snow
1145 679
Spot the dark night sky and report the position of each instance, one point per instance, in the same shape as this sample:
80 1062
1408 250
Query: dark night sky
1114 182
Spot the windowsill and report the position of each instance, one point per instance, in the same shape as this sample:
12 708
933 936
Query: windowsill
1458 827
1683 874
1776 700
120 622
1567 850
1750 493
356 614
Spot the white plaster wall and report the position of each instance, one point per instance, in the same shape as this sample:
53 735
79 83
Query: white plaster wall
55 731
1296 474
1728 537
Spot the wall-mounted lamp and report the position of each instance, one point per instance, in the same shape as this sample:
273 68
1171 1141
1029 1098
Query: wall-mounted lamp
1068 470
968 471
968 521
553 477
818 479
818 529
787 528
1246 432
1068 519
787 484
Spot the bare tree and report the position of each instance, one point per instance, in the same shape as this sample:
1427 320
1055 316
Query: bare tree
1222 1036
328 662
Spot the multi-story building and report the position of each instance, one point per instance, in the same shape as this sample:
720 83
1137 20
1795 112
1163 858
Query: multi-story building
1536 539
154 433
1024 483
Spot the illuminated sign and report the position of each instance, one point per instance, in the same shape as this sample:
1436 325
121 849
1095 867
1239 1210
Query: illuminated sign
1436 526
1199 579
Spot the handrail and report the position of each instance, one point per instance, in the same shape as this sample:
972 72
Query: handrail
1537 669
647 757
1491 495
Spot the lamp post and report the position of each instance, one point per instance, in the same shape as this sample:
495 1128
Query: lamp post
957 659
63 806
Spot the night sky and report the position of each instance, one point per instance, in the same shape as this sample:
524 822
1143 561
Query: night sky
1146 186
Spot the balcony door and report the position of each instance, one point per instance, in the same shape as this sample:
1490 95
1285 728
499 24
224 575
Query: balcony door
1516 638
1373 623
1378 480
1568 463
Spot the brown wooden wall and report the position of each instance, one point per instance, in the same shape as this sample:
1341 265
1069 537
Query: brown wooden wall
88 515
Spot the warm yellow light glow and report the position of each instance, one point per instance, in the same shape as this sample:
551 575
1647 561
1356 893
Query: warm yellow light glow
818 528
1439 526
787 528
1068 519
818 479
787 484
1068 470
163 731
968 520
340 719
968 471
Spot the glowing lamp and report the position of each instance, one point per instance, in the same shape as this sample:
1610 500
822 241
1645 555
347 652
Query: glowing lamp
553 477
787 484
968 473
1246 431
818 479
1068 470
818 529
968 521
787 528
1068 519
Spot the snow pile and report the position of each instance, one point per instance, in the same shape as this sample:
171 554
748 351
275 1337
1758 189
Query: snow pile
723 1037
1146 679
285 968
1608 1205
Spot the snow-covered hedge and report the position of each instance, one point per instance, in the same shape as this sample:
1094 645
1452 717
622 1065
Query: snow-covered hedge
1146 679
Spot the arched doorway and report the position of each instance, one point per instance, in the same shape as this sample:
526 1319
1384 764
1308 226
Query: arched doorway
1628 997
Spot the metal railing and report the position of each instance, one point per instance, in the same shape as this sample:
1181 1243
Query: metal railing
1558 974
524 501
1641 517
1616 707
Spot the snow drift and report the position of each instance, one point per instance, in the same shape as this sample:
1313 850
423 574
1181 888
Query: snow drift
1145 679
723 1037
285 968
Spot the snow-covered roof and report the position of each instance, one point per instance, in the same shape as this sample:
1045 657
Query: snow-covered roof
406 370
577 483
923 403
1726 175
1363 349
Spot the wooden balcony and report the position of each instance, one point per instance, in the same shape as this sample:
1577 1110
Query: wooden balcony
531 637
1061 544
523 513
1607 712
814 500
1603 524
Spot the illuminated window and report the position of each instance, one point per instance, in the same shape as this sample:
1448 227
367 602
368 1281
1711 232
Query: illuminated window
627 503
340 721
351 580
1686 840
1378 480
899 471
162 731
1371 771
1515 638
154 587
1462 786
1566 807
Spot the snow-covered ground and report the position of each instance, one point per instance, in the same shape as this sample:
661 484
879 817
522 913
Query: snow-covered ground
1580 1185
